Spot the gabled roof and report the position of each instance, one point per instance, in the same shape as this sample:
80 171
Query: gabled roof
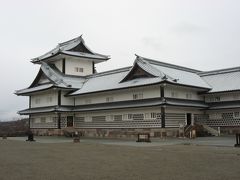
155 73
56 80
222 80
142 68
179 75
151 72
75 47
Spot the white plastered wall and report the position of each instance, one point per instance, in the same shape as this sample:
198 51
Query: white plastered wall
43 99
68 101
72 63
119 95
50 121
58 64
228 96
182 92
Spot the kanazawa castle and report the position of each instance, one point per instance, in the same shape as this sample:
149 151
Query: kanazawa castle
150 96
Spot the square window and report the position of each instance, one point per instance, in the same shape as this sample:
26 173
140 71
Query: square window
43 119
109 99
174 94
236 114
129 116
125 117
147 116
49 99
78 69
217 99
153 115
137 96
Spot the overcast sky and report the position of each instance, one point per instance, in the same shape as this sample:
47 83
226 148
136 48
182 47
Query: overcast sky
200 34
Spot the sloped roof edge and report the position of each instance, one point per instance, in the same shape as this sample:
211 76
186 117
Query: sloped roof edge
67 46
219 71
155 62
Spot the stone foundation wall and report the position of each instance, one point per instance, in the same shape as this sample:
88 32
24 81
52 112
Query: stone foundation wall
110 133
47 132
229 130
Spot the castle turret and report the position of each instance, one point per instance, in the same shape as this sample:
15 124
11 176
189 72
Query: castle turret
72 57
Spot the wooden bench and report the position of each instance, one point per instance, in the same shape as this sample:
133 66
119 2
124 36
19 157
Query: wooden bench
143 137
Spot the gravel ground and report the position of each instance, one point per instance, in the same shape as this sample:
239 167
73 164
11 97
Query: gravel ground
90 160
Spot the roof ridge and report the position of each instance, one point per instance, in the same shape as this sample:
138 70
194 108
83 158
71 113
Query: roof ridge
155 62
109 72
74 39
142 60
219 71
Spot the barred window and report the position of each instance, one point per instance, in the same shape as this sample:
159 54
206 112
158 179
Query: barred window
88 119
109 99
217 99
153 115
137 96
147 116
118 118
43 119
78 69
49 99
174 94
127 116
109 117
236 114
130 116
214 99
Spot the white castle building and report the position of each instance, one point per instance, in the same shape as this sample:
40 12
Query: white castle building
150 96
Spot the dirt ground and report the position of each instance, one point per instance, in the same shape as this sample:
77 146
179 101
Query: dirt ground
60 161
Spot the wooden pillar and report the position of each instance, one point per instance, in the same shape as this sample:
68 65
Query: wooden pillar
29 118
163 117
59 114
162 108
29 121
63 66
93 67
162 91
59 98
59 121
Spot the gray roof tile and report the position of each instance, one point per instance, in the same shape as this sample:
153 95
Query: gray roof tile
66 48
223 80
